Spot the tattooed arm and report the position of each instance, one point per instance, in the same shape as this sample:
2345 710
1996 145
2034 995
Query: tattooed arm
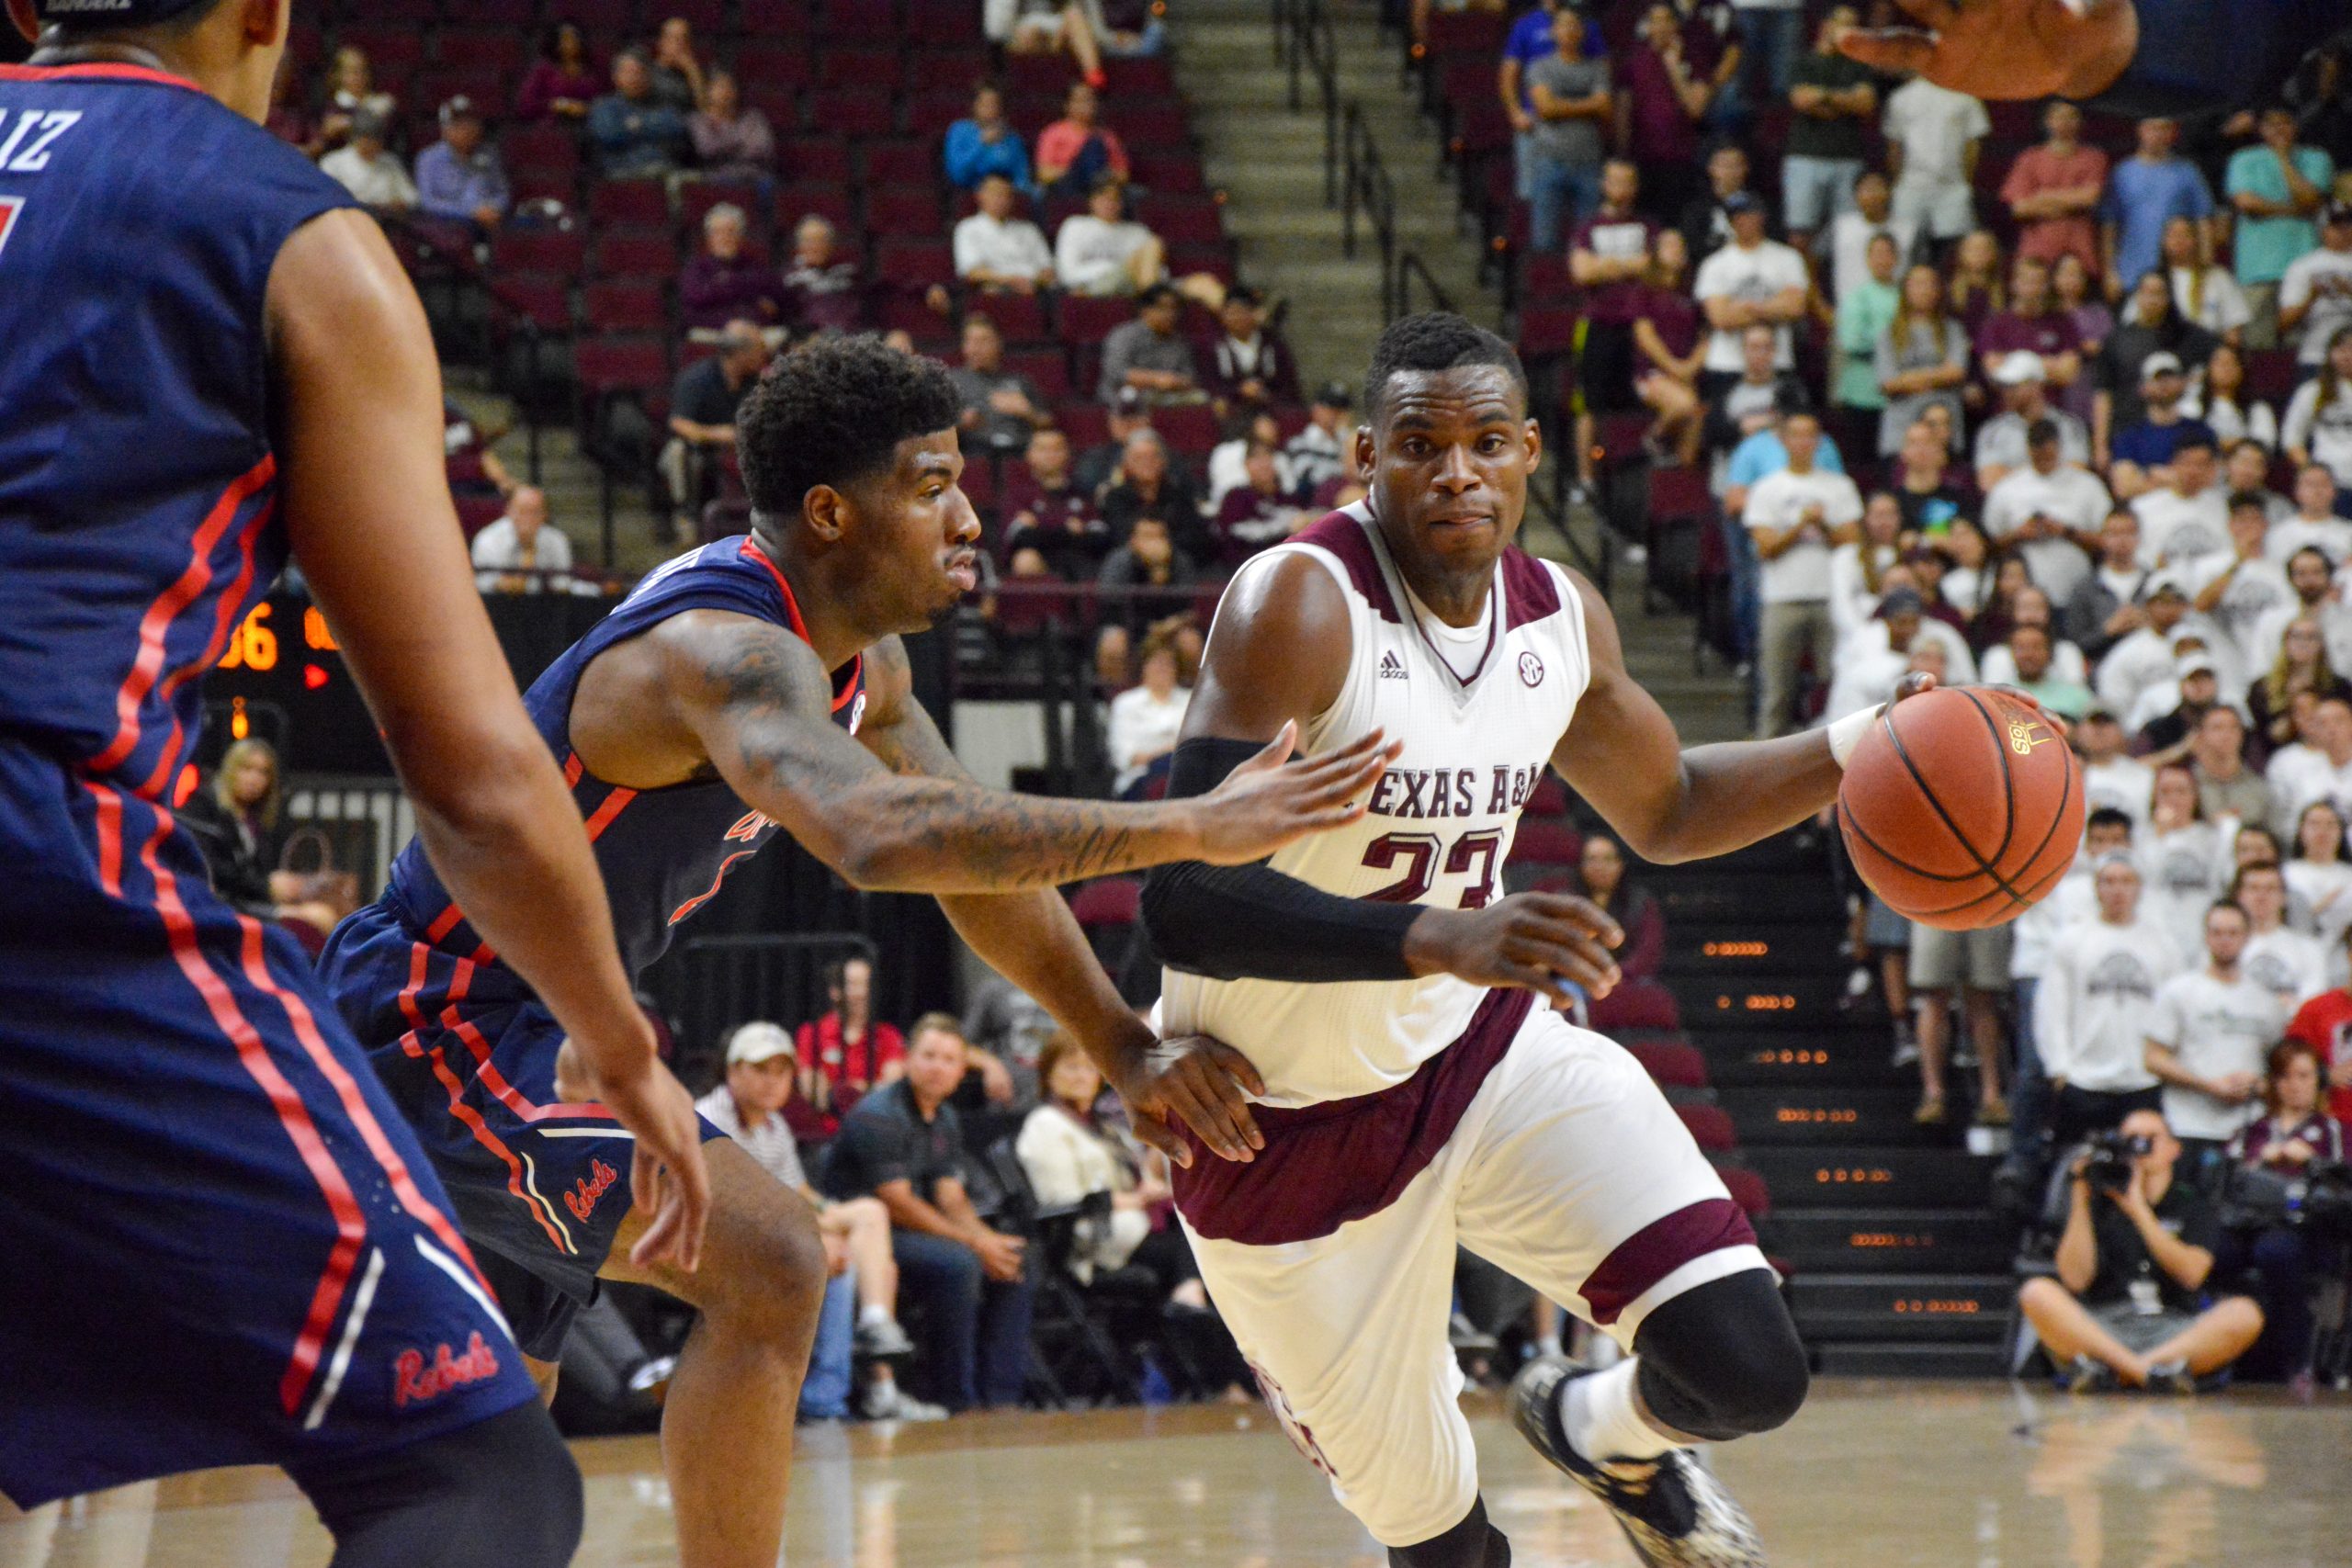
713 693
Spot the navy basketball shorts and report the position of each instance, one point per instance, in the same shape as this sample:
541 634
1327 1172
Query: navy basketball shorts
220 1243
540 1186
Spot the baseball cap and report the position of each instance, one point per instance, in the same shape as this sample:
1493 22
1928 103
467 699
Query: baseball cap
2167 581
2164 362
2019 368
1901 601
1128 399
2196 663
1333 395
373 124
1740 201
757 1042
459 108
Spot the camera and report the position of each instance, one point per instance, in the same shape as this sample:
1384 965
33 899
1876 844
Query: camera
2317 1199
2109 1167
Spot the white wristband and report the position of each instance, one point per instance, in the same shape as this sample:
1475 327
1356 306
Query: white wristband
1847 733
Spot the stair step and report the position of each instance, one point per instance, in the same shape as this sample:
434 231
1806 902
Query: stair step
1890 1241
1873 1176
1830 1059
1971 1308
1884 1359
1702 950
1811 1003
1787 898
1832 1116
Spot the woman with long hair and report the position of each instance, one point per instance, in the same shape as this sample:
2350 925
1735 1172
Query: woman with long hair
2318 427
1969 577
2074 293
2182 860
1979 285
2302 666
234 818
2221 400
2202 292
2293 1134
564 81
1670 348
1857 569
2319 877
1922 358
1638 1001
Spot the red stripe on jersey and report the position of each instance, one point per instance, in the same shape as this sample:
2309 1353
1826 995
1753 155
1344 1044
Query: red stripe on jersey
846 692
224 623
573 769
100 71
614 804
444 923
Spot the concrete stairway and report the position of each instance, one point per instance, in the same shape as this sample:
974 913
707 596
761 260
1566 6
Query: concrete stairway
573 485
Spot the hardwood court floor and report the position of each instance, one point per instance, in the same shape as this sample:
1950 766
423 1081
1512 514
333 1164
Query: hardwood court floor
1871 1475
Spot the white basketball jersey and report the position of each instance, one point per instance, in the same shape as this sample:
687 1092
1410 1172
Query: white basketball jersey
1479 714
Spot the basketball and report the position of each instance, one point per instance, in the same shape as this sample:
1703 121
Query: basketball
1962 808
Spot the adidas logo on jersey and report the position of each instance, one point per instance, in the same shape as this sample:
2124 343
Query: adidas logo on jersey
1391 667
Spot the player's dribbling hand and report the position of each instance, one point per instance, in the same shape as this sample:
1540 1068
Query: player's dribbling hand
1202 1082
1529 941
668 1183
1263 803
2007 49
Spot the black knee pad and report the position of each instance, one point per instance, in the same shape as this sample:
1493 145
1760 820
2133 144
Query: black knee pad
1473 1543
1722 1361
500 1494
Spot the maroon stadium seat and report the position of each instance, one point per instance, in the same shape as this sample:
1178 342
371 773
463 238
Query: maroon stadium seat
2270 373
914 263
1039 76
708 17
522 14
1193 220
765 66
1047 370
844 21
1673 1063
558 251
609 365
1085 422
1167 173
858 112
859 67
1190 429
543 299
928 115
904 162
1109 901
1466 32
476 513
1550 799
629 252
1150 125
1090 320
505 51
899 210
604 21
943 70
636 204
1020 317
821 159
824 201
1144 76
933 334
697 198
1545 840
1710 1126
953 24
624 305
394 51
1748 1189
980 485
791 18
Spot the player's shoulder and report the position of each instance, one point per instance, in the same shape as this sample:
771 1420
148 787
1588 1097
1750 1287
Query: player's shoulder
1331 557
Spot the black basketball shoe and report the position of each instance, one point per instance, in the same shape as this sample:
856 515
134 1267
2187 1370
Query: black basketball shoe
1676 1515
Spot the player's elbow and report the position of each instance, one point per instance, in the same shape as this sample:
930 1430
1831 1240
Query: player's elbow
1173 917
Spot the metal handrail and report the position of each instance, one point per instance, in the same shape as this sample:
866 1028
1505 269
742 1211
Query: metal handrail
1396 300
1308 50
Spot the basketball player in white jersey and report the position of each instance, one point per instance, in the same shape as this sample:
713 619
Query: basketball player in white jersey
1413 1090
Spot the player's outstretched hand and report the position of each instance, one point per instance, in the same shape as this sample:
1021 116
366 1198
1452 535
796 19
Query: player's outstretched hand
668 1183
1530 941
1265 804
2007 49
1204 1083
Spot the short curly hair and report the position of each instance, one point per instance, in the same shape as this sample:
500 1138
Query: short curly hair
833 413
1435 339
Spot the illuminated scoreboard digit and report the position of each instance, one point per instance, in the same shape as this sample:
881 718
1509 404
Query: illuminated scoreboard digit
281 676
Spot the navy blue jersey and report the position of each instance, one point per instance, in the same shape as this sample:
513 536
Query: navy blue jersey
139 221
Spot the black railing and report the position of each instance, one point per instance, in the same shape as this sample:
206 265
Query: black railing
1304 43
1397 300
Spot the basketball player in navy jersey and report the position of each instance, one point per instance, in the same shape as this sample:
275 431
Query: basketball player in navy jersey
756 686
219 1242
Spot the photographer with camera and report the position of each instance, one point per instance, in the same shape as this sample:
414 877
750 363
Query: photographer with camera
2207 1040
2280 1159
2127 1306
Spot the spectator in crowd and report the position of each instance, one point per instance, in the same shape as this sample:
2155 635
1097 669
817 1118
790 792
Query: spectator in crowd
367 169
847 1052
2189 516
474 469
2106 605
2112 781
1859 569
2021 375
1753 281
1933 135
1319 455
2146 191
1250 365
1835 100
1530 40
2167 716
1712 44
1103 252
234 818
519 553
2148 443
2221 402
2319 877
702 414
1130 29
1150 355
1796 516
731 141
1228 468
1978 287
2030 322
1706 219
2054 190
1665 97
2033 651
1922 359
1150 483
748 1105
725 282
1098 468
2318 427
2212 1028
904 1145
1600 878
1608 258
1670 347
1258 512
562 83
2289 964
997 250
1573 106
2245 466
2225 785
2202 292
2096 1002
2294 1134
2182 860
352 92
2301 664
1145 719
2076 294
1876 655
1001 408
2049 510
2315 291
1850 232
1074 150
634 134
1004 1019
2126 1305
1771 35
1046 27
985 143
2314 522
458 179
1744 419
2325 1023
1925 484
2239 586
288 120
2278 189
823 290
2028 605
1976 965
679 79
1146 578
1051 515
2318 769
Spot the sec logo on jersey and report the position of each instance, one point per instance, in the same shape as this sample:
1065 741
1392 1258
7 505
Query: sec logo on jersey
1531 669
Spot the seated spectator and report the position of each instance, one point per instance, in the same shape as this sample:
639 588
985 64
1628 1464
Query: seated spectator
2315 293
2029 607
458 179
2189 517
1933 135
904 1145
1250 365
823 290
749 1105
1638 999
1669 347
234 820
1229 458
1865 314
519 553
1145 719
2182 858
2105 607
999 251
2318 427
1751 282
2112 781
731 141
1873 659
1046 27
1143 581
1151 483
2021 377
1098 468
1796 516
2076 294
2096 1002
2049 510
2127 1303
1978 287
1922 358
1074 150
1150 355
288 120
2146 191
985 143
1572 106
702 415
2314 522
2204 294
352 92
725 282
2212 1028
1102 252
2288 963
1750 407
1666 98
2054 190
1844 248
1319 455
1001 408
562 81
1835 100
2240 586
2226 787
2144 362
2030 649
2221 403
2278 189
1859 568
1706 219
1130 29
2294 1135
1052 515
2030 321
1258 512
367 169
2314 598
679 79
632 132
1972 579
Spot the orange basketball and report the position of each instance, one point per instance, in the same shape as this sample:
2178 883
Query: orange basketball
1962 808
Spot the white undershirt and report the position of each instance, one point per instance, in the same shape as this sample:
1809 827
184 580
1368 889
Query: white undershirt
1463 648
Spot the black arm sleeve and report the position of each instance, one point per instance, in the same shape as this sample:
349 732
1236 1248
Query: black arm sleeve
1253 922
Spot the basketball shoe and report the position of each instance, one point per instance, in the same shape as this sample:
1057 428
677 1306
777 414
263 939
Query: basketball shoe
1675 1514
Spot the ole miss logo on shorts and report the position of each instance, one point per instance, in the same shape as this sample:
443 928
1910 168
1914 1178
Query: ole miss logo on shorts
416 1380
581 1199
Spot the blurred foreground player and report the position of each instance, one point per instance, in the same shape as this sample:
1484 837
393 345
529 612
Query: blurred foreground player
755 686
222 1244
1416 1095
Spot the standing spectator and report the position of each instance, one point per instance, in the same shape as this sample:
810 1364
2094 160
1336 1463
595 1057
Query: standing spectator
904 1145
1001 409
1671 347
1975 964
2236 418
367 169
2146 191
2157 381
1851 231
2182 859
2319 769
1753 281
1258 512
985 143
1150 484
1744 420
1835 98
1150 355
2105 606
1922 359
2294 1134
2202 292
1932 138
562 81
2049 513
2111 780
997 251
1529 41
519 553
1573 109
1045 26
2096 1002
2313 523
2287 963
1319 455
2225 785
1608 258
1144 721
2318 427
1249 365
1795 517
2315 292
731 142
1706 219
848 1053
2022 377
679 80
2054 190
1771 33
1665 97
725 282
352 92
459 179
2278 189
702 416
2319 879
2298 665
2239 586
633 133
1051 515
2076 294
1102 252
1977 289
1075 151
2212 1030
823 290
